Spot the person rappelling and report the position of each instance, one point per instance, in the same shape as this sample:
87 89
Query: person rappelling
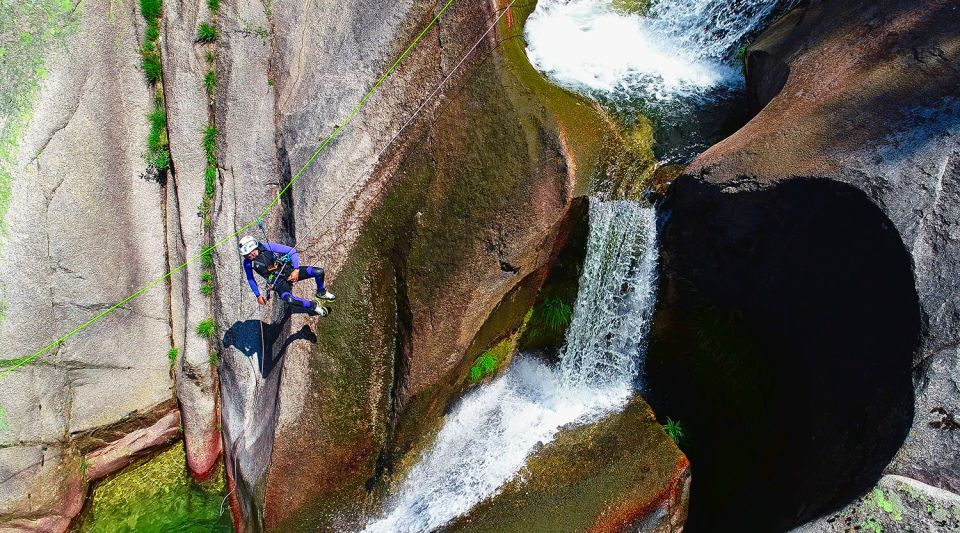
279 265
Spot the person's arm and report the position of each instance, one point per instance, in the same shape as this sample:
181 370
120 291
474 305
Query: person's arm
282 249
248 268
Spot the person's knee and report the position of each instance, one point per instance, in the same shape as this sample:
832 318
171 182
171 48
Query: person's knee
287 297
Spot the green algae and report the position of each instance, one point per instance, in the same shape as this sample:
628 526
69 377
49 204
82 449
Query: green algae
156 496
28 31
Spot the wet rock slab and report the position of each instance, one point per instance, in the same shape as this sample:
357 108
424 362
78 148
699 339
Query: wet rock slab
621 473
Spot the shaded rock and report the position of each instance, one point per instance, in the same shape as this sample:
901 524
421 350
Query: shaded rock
621 473
809 256
121 453
897 503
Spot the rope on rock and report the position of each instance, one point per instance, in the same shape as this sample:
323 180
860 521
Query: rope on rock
21 361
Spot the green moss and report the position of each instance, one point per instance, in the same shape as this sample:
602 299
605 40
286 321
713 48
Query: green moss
206 33
214 358
156 496
886 505
872 524
29 31
4 424
205 328
634 7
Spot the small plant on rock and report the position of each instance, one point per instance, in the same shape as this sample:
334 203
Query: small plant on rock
485 365
205 328
206 33
214 6
555 314
172 355
210 82
674 430
214 357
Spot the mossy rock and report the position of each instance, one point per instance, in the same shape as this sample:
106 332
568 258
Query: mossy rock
612 475
633 7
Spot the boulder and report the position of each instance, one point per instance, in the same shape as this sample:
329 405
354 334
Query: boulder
807 297
621 473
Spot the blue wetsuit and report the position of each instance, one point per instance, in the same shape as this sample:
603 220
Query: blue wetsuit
274 263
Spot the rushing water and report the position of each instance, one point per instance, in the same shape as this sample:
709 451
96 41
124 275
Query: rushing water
677 64
485 441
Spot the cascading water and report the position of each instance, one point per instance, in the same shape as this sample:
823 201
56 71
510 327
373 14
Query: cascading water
677 63
487 438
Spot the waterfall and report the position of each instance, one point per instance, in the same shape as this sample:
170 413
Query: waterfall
680 48
677 64
485 441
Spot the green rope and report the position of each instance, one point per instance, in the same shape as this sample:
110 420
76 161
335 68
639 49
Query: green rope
19 362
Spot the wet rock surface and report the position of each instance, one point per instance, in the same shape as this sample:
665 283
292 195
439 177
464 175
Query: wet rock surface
621 473
859 103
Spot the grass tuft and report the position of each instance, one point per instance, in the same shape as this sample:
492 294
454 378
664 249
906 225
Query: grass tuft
209 181
674 430
210 82
214 357
206 289
553 314
207 259
210 145
151 9
214 6
206 33
172 355
205 328
151 67
208 56
206 277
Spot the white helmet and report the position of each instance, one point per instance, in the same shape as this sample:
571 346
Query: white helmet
247 244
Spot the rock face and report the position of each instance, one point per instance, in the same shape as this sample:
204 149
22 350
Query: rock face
83 230
420 242
897 503
621 473
808 296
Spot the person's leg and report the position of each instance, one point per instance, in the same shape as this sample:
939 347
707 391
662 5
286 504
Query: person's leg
285 290
318 275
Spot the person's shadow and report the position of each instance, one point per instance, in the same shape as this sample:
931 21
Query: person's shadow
257 338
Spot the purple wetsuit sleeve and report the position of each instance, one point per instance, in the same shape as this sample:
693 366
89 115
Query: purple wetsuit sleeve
248 268
281 249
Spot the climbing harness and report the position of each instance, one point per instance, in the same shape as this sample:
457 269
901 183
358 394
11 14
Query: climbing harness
20 362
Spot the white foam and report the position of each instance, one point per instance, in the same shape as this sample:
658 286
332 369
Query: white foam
682 48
